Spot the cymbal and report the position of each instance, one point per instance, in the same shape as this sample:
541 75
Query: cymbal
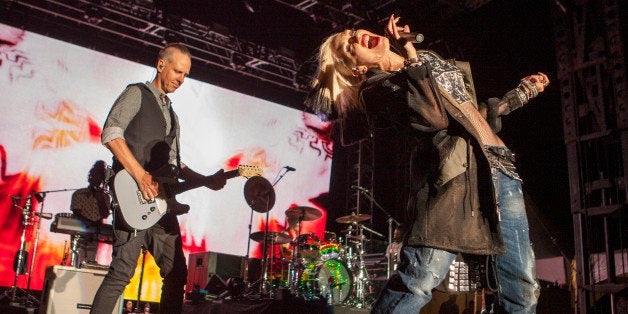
259 194
302 212
274 237
352 218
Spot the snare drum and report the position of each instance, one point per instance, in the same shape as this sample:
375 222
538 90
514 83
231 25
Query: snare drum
329 246
308 247
328 279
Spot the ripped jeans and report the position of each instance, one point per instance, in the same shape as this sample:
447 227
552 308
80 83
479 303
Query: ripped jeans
422 268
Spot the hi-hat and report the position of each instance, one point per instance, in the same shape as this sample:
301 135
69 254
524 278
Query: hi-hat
352 218
303 213
259 194
272 237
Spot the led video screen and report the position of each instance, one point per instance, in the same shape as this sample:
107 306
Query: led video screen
55 99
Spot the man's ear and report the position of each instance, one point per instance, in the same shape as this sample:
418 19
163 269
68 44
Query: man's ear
160 65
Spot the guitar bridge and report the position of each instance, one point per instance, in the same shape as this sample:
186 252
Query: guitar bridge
141 199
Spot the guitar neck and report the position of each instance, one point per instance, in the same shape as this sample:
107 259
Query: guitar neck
180 187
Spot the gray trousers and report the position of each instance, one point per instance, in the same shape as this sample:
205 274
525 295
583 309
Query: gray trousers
163 241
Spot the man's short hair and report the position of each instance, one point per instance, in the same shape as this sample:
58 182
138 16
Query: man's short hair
166 51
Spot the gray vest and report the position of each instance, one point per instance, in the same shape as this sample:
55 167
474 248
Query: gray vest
146 135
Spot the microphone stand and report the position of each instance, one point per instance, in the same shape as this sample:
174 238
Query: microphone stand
264 287
139 288
391 219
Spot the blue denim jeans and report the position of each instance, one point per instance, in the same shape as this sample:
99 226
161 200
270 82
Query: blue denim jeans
421 269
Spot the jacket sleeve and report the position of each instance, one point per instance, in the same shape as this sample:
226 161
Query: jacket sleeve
497 107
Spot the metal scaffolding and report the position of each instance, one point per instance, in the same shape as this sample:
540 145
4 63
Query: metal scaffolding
592 78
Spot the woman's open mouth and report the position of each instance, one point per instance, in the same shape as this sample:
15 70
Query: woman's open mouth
369 41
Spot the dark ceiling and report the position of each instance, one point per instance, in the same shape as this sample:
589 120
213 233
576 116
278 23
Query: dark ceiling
496 36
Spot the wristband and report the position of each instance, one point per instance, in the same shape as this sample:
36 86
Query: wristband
410 61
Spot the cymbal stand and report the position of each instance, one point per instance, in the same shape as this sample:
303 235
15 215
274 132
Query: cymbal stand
21 255
293 266
264 278
391 219
361 278
265 286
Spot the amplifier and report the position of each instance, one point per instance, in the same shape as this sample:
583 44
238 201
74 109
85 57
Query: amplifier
205 265
69 290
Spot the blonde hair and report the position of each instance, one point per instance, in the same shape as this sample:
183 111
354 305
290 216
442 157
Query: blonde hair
334 88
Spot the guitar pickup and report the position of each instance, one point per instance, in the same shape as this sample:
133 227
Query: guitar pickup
141 199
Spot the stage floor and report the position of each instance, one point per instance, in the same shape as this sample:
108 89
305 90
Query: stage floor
249 306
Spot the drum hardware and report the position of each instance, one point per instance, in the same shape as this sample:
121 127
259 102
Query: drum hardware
353 218
329 248
297 215
390 220
303 213
74 250
21 256
271 239
330 279
274 237
260 196
356 262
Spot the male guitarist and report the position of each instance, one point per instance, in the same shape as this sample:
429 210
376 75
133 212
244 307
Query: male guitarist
142 132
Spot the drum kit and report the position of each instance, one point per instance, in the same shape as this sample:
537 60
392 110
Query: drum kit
331 268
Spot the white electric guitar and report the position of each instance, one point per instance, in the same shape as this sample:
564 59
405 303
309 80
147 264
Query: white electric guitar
141 214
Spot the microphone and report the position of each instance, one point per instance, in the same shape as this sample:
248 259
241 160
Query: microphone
39 196
415 38
44 215
288 168
16 198
361 189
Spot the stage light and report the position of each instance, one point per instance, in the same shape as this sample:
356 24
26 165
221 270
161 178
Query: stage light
251 5
93 14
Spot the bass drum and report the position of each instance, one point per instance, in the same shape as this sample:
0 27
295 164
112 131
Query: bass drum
328 279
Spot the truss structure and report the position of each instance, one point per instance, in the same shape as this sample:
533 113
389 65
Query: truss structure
141 23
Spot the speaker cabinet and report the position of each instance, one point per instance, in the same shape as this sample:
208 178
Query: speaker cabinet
205 265
70 290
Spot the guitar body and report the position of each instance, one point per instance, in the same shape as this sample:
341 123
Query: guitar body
138 213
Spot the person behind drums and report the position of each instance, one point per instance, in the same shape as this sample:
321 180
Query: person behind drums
394 248
292 230
91 205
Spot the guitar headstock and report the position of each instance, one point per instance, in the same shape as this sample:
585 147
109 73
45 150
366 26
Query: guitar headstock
249 171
